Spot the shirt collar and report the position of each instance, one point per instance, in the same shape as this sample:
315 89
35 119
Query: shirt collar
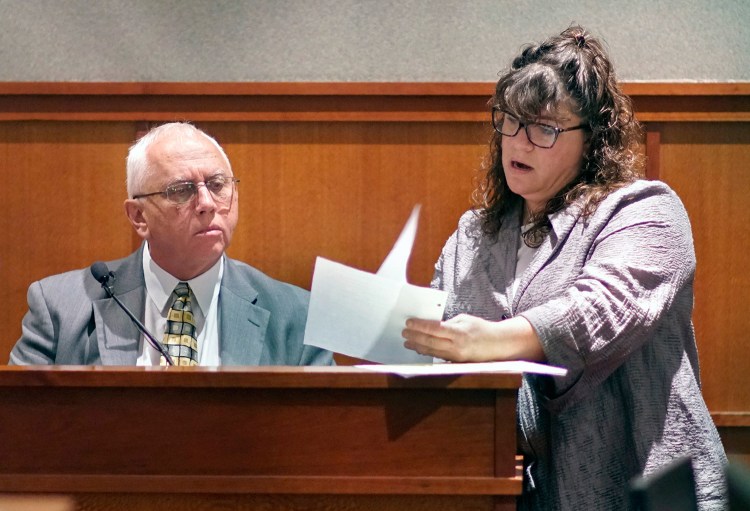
558 220
160 283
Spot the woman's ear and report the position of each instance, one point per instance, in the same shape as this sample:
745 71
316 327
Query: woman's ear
134 212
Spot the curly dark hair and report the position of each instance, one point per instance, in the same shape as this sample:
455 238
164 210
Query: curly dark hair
570 71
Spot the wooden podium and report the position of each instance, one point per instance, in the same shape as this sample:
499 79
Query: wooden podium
333 438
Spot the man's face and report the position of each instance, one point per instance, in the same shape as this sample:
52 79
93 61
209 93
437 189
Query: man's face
184 239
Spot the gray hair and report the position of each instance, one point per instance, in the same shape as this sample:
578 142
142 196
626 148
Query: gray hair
138 166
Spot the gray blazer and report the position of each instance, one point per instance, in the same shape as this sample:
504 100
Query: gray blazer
611 299
71 321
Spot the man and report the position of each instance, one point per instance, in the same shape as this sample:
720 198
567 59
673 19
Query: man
183 203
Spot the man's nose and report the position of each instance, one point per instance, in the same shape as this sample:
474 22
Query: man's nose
204 200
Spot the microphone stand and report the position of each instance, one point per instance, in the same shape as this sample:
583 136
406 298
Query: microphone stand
153 342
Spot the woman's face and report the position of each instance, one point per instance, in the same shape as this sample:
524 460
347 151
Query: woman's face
537 174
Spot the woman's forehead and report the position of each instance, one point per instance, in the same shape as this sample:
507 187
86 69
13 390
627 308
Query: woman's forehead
549 112
562 112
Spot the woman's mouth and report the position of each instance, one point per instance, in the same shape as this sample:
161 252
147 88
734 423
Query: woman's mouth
520 166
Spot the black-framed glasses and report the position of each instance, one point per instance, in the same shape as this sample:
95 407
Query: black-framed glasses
221 189
540 134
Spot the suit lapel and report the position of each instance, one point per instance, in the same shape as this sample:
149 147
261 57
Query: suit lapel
242 324
562 224
117 336
501 264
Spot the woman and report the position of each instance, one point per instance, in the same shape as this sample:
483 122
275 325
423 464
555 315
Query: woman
572 260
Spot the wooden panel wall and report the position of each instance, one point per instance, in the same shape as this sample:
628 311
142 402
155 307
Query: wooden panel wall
344 190
334 170
63 184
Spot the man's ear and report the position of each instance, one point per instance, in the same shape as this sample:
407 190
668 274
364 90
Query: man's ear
134 212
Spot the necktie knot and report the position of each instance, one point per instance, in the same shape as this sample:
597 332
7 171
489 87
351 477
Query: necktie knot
182 289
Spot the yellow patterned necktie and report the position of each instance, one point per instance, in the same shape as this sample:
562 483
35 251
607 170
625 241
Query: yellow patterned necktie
180 335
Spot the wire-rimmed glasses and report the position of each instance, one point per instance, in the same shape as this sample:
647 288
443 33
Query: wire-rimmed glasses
220 187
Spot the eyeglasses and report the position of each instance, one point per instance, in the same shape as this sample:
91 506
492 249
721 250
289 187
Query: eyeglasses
541 135
220 187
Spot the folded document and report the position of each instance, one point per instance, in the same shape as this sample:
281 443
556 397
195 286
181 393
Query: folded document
361 314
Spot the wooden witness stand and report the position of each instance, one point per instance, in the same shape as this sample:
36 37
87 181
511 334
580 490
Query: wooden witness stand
279 438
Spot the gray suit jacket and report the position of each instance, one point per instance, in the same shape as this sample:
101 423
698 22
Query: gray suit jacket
611 300
71 321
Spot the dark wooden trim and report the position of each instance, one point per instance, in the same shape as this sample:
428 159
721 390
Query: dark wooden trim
250 107
686 89
731 419
653 151
340 101
341 485
141 128
248 88
337 88
245 377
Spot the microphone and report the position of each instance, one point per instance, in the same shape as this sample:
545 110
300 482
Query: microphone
102 274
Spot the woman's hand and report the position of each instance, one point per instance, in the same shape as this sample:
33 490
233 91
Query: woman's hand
466 338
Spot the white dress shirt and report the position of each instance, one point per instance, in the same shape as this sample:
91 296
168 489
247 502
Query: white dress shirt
523 258
205 304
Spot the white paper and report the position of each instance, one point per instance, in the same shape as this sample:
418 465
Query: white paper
515 366
395 263
362 315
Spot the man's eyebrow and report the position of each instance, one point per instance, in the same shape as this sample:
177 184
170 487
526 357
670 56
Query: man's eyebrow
178 181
